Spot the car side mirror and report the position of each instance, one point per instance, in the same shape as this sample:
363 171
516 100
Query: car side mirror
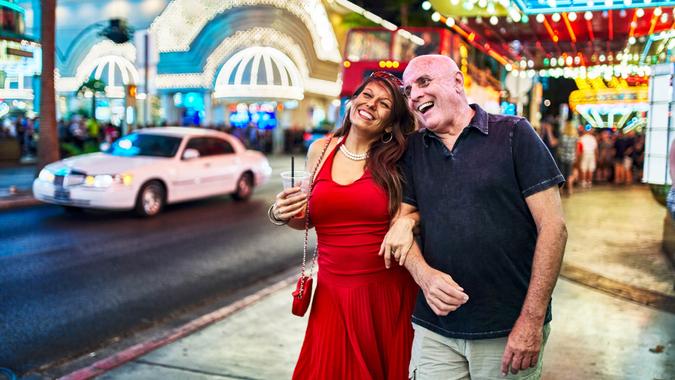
190 154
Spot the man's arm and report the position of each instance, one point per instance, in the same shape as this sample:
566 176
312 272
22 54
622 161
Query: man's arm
524 342
442 293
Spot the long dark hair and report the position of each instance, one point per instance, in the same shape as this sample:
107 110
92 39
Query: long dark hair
383 157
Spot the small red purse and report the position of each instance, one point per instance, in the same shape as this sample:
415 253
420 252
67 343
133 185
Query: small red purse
302 295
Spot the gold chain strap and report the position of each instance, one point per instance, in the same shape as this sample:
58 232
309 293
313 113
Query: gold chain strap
316 248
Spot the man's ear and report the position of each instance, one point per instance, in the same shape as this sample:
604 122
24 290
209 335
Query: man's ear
459 81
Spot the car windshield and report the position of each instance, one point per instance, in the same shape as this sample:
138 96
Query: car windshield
141 144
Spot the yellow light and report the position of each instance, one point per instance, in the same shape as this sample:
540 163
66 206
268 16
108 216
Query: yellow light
388 64
126 179
89 181
381 64
395 64
346 64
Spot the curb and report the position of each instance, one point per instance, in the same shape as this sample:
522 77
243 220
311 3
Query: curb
660 301
106 364
18 201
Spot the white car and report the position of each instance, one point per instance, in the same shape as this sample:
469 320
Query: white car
149 168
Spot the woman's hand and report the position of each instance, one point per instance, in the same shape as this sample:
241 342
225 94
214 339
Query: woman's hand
397 241
289 204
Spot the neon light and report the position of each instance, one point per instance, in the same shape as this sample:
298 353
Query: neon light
550 31
590 30
182 20
611 25
573 38
12 6
531 7
655 18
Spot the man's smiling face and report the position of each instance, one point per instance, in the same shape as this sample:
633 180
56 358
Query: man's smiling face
434 87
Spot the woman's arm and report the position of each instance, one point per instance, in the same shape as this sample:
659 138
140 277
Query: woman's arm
399 239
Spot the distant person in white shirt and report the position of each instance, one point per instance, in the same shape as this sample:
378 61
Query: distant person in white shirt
589 154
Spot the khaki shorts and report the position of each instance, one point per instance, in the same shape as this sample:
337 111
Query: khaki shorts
436 357
587 163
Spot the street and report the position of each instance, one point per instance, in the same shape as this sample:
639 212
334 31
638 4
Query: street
70 283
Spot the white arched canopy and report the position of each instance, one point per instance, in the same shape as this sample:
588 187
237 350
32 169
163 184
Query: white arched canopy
259 72
117 72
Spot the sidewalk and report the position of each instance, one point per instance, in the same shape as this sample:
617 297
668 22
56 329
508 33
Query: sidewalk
16 182
614 243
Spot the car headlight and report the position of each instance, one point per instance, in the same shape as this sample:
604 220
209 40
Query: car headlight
107 180
46 175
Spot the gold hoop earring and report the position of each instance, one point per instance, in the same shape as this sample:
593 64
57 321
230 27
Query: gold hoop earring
384 141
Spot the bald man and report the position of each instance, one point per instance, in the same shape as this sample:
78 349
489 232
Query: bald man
492 232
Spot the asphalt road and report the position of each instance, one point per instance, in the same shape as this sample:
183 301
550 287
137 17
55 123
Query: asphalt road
68 283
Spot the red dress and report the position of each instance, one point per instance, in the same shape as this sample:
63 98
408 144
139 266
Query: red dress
359 324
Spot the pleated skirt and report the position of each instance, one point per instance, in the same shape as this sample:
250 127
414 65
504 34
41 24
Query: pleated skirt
359 327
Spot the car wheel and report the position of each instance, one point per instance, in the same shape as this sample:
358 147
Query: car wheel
150 199
244 187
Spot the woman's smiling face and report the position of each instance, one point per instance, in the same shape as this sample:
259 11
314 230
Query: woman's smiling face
371 108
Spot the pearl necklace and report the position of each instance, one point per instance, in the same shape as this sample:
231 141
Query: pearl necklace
353 156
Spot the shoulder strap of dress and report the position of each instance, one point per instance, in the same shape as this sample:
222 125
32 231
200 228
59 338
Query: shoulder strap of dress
320 163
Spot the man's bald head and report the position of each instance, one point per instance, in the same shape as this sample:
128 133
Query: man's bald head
441 64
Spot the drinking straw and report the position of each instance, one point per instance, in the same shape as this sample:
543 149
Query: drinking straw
292 171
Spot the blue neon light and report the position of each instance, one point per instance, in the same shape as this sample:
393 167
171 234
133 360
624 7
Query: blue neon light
537 6
12 6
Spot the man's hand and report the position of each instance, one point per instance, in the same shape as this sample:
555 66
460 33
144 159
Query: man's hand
523 346
398 241
442 293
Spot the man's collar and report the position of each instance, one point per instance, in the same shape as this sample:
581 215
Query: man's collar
478 121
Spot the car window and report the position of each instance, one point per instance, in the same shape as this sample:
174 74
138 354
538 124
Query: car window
200 144
219 146
210 146
142 144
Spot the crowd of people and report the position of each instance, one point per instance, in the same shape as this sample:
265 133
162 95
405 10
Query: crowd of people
587 156
79 134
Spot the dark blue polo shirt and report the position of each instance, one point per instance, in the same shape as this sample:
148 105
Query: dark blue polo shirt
475 224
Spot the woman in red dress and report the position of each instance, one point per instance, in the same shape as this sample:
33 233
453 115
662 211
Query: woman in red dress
359 324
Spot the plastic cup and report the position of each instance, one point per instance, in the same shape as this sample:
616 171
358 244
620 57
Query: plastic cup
296 178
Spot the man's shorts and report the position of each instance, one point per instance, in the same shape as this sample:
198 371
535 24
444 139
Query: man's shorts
436 357
587 163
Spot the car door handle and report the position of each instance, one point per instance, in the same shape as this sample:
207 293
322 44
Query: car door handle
207 165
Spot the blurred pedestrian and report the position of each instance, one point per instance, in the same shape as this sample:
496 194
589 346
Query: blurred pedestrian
567 155
623 163
605 156
589 156
359 324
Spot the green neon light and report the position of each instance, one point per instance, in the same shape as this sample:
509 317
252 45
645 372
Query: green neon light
7 4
